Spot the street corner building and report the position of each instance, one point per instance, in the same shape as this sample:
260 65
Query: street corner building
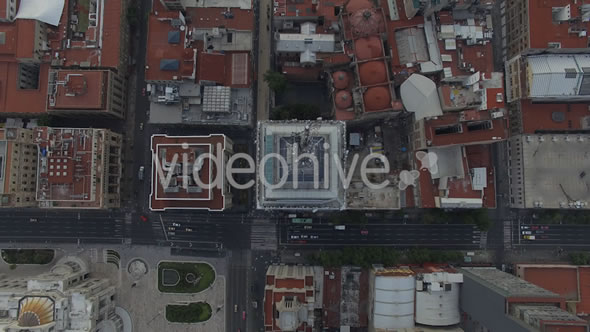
414 299
288 140
60 168
63 57
65 298
549 171
200 69
292 295
175 162
493 300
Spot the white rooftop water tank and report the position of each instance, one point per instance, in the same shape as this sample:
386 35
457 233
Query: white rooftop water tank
394 302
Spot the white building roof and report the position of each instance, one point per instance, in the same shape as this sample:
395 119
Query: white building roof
295 42
283 138
42 10
394 302
556 74
419 95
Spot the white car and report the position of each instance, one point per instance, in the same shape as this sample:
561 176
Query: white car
175 224
527 232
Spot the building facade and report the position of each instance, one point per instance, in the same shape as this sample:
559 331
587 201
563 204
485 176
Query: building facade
18 158
188 172
291 298
66 298
512 304
78 168
86 92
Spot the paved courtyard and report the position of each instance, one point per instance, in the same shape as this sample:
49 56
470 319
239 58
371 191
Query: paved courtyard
138 293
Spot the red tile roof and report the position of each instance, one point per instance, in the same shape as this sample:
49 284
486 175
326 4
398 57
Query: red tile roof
302 73
542 30
306 8
70 152
16 100
481 156
498 132
475 156
343 115
211 67
462 188
111 41
427 191
26 37
211 199
560 280
160 48
539 116
3 10
571 282
332 294
213 17
83 90
89 49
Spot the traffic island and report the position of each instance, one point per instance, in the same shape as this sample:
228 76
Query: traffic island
28 256
189 313
192 277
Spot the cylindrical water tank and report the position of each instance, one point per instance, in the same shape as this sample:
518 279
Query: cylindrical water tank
394 302
438 308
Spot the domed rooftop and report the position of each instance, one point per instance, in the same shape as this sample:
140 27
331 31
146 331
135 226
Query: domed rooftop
341 79
343 99
355 5
366 22
368 48
377 98
373 72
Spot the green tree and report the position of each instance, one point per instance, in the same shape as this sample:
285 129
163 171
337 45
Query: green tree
132 15
45 120
418 256
482 219
580 258
295 111
276 81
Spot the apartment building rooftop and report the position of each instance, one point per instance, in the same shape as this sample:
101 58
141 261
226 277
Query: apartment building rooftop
78 90
90 35
463 177
506 284
570 281
206 48
539 24
549 171
184 173
68 171
56 34
541 117
318 138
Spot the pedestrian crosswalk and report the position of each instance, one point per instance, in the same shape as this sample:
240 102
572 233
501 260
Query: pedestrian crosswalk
507 234
263 235
483 240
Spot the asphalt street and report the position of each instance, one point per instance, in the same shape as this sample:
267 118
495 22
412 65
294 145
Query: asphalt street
398 235
237 297
62 226
223 231
571 236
